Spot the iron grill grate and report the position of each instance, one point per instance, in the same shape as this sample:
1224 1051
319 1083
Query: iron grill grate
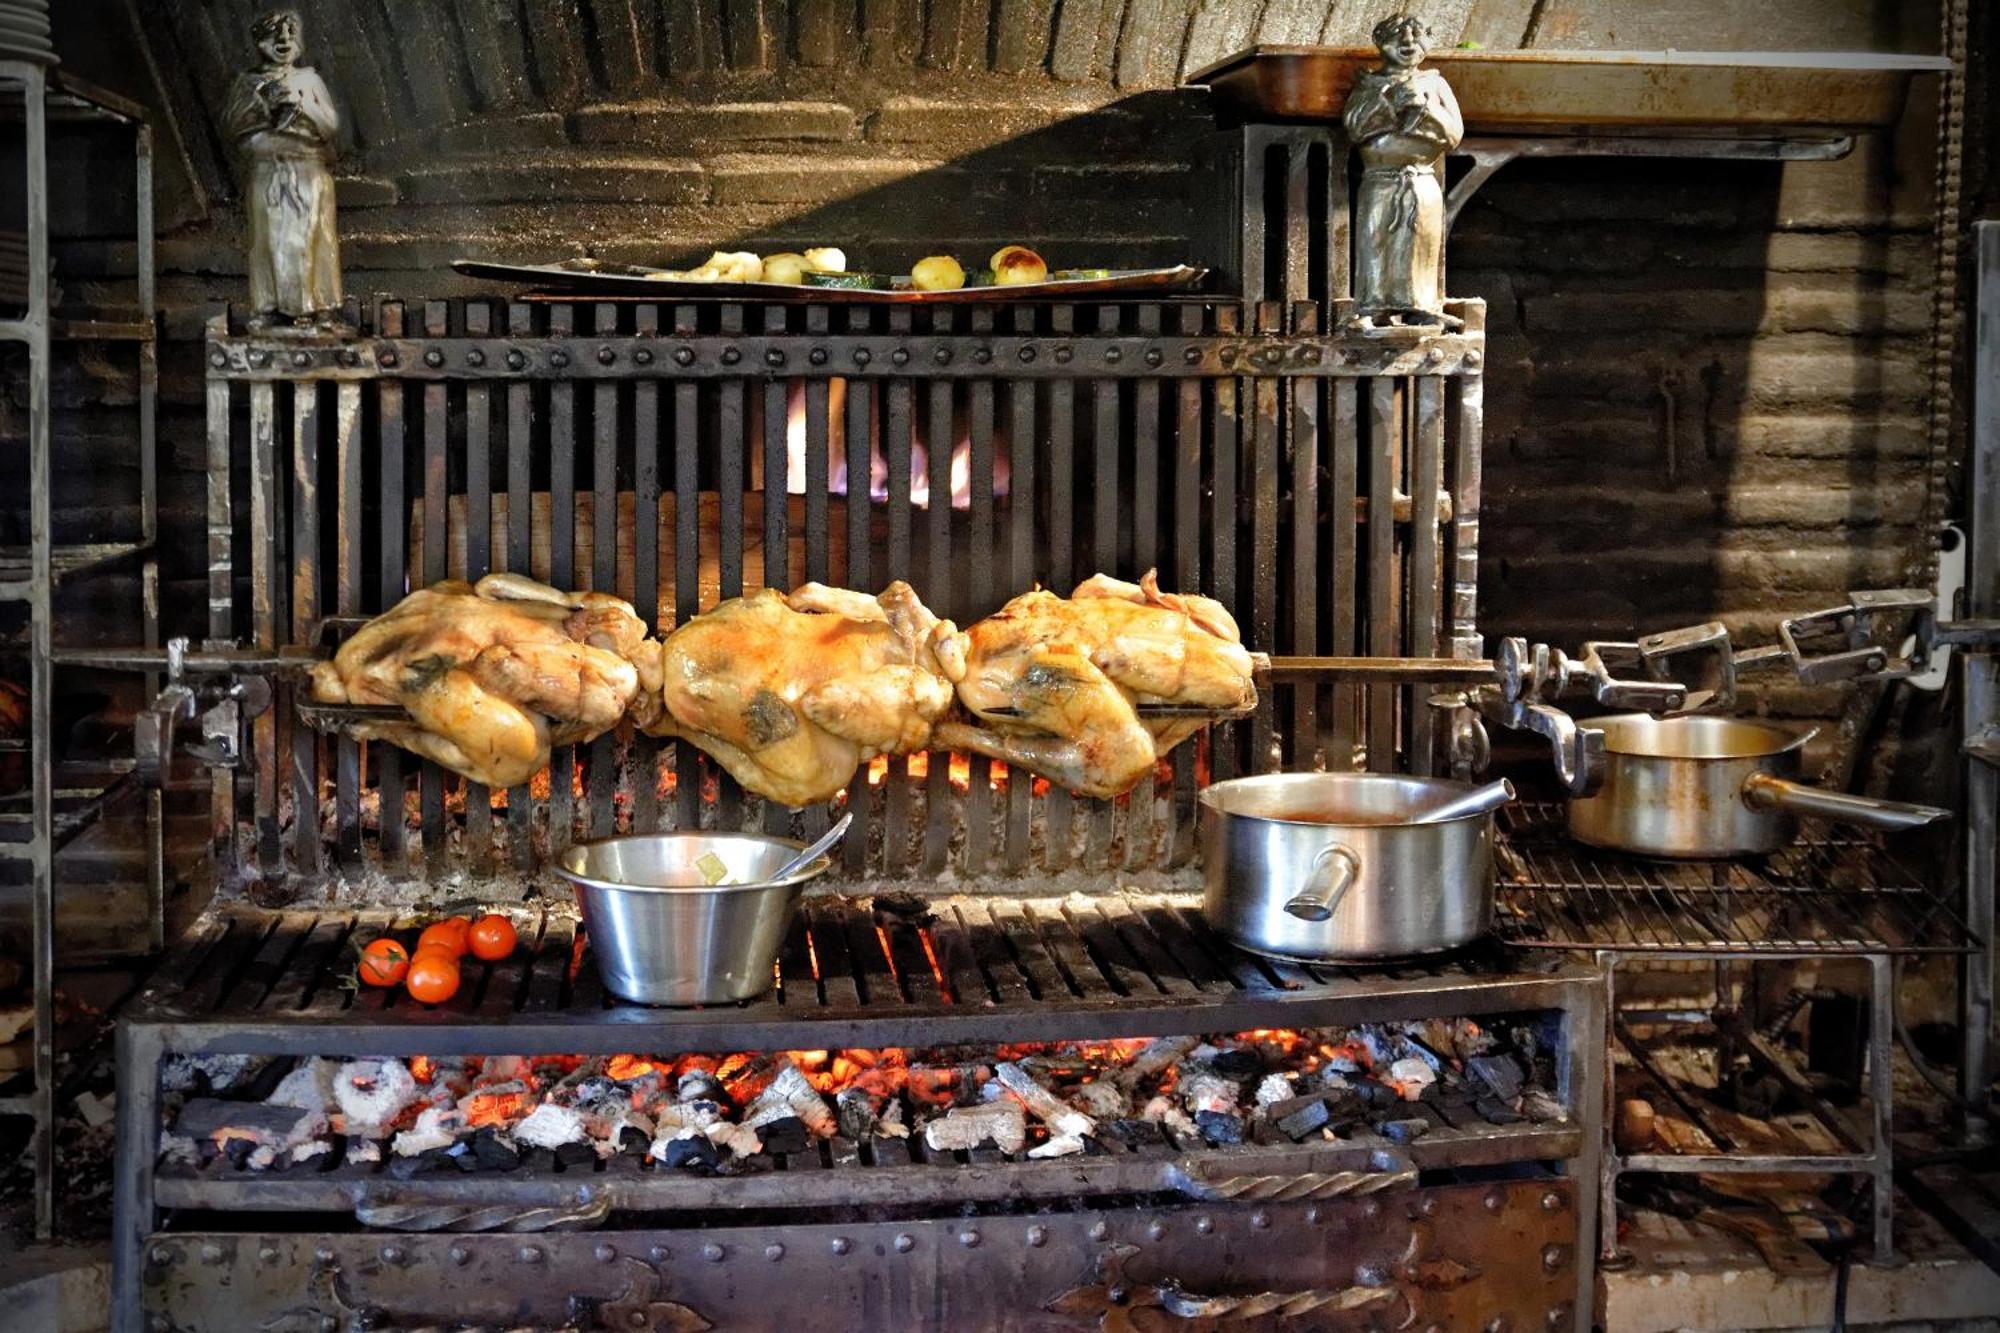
1831 892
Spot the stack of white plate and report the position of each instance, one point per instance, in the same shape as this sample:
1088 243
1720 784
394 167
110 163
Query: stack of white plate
24 31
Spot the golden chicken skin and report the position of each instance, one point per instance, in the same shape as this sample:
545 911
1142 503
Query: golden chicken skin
494 674
791 692
1055 683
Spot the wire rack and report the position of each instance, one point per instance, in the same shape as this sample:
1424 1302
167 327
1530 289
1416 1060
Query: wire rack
1831 892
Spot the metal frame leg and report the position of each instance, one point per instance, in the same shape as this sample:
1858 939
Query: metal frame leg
1586 1033
139 1052
1881 1095
1607 1150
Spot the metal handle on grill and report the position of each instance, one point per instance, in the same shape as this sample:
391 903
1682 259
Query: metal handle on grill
1333 873
1761 791
1387 1169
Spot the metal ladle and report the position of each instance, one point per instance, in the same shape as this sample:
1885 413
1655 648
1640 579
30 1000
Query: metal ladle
1478 801
817 850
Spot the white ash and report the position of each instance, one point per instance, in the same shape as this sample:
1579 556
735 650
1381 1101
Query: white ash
890 1125
179 1150
1161 1110
1539 1106
1209 1092
436 1127
1342 1063
305 1152
1044 1105
738 1139
969 1126
606 1123
1274 1088
1151 1058
789 1094
698 1114
1060 1145
363 1150
1412 1076
551 1126
858 1110
372 1093
262 1158
96 1111
1102 1099
700 1085
309 1086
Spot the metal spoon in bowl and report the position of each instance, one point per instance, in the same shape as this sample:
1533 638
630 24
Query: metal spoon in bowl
817 850
1478 801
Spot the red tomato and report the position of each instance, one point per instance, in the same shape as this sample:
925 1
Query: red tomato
383 962
453 932
492 937
433 977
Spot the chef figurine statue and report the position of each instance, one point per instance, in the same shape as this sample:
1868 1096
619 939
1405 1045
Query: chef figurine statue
1403 120
284 118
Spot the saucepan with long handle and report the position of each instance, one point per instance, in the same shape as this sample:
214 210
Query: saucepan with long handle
1701 788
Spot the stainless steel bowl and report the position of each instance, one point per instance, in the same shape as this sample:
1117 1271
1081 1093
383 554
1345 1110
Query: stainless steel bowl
662 935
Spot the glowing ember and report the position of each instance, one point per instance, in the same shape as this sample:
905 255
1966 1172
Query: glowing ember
495 1108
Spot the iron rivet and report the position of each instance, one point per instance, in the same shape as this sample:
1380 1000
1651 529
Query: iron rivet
323 1254
643 356
393 1254
1099 1230
841 1245
268 1253
712 1252
1497 1324
969 1239
1260 1219
1191 354
773 357
1473 358
1038 1236
605 356
1551 1202
862 356
1026 354
684 356
1557 1318
217 359
942 356
905 1242
162 1255
1311 356
1063 355
1312 1213
1495 1201
528 1254
1112 356
264 359
900 356
817 356
605 1253
460 1255
302 359
475 357
434 358
982 354
659 1254
516 359
388 357
1554 1257
774 1252
1228 355
1156 1229
1154 356
1204 1224
1433 355
731 355
558 358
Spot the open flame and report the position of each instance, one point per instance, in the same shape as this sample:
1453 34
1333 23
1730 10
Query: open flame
838 482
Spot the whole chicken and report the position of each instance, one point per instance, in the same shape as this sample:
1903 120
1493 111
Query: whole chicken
493 674
1056 681
792 692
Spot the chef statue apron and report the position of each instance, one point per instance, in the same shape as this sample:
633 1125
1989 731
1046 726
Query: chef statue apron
284 118
1402 120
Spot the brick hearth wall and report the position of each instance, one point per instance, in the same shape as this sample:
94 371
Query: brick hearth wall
1706 386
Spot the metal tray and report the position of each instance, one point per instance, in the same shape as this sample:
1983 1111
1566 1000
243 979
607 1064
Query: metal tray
1515 92
603 278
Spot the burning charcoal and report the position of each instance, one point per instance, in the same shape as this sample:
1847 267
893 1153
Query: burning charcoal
436 1127
179 1150
1410 1076
1163 1112
1497 1112
700 1085
1500 1073
1343 1063
1201 1091
1058 1145
597 1088
363 1150
1298 1117
210 1073
309 1085
1404 1131
1271 1089
372 1093
575 1154
255 1123
1379 1044
1219 1128
306 1152
1542 1108
1458 1111
494 1151
901 905
786 1134
238 1152
740 1140
789 1094
1375 1096
855 1110
1156 1055
1045 1106
1101 1099
411 1165
962 1127
550 1126
890 1125
1468 1039
1137 1133
1242 1064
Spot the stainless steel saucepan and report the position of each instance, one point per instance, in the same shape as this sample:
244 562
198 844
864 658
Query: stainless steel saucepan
1700 788
1348 866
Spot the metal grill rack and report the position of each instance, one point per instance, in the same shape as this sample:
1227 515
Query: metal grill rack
1832 892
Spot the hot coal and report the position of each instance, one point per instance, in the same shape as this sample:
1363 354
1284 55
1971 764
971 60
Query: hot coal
1404 1131
576 1154
693 1151
1500 1073
1298 1117
493 1152
1218 1127
1242 1064
787 1134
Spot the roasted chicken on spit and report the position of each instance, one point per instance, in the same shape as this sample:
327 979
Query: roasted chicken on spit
1056 681
791 692
493 674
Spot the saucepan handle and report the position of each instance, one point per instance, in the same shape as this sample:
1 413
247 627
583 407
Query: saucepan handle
1761 791
1333 871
